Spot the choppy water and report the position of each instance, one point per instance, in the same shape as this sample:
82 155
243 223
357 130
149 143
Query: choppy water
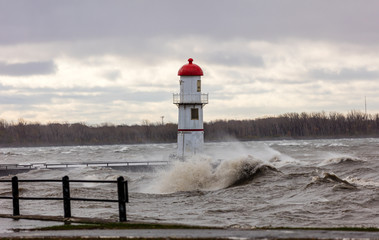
294 183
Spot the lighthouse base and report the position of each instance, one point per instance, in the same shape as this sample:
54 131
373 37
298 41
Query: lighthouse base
190 143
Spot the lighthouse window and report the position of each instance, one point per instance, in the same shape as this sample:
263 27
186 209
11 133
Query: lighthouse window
199 85
194 114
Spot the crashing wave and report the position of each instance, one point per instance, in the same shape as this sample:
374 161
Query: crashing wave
205 174
341 160
329 178
248 172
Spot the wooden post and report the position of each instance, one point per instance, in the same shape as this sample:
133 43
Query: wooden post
15 195
121 189
66 197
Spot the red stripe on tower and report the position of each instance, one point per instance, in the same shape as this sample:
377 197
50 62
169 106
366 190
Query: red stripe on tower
190 130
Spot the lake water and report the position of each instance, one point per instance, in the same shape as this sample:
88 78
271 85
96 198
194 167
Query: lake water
291 183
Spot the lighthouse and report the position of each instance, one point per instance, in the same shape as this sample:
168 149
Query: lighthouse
190 102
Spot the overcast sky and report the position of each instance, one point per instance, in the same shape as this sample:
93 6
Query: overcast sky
117 61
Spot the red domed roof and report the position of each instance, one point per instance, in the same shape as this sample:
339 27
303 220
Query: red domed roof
190 69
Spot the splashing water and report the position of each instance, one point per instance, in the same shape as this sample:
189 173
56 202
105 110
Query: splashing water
205 174
296 183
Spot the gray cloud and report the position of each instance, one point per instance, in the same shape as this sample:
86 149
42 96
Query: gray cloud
97 95
27 68
4 87
147 35
24 100
345 74
341 20
80 104
232 58
112 75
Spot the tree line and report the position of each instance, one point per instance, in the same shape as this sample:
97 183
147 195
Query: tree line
290 125
295 125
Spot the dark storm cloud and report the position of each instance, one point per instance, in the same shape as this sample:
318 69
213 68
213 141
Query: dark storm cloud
345 74
27 68
47 20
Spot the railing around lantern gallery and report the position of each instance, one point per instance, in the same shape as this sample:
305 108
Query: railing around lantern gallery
122 189
181 98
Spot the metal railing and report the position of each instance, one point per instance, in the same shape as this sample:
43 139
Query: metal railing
181 98
122 190
75 164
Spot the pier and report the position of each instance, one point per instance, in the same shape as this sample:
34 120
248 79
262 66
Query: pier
134 166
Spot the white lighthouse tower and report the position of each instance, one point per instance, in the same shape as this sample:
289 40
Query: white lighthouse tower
190 102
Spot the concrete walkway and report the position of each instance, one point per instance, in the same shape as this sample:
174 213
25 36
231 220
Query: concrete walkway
31 222
199 233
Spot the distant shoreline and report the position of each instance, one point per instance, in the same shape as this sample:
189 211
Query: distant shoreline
284 127
213 141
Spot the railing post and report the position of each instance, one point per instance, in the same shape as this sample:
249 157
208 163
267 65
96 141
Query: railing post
66 197
15 195
122 198
126 191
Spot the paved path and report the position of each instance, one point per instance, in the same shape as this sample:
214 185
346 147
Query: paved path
201 233
6 224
